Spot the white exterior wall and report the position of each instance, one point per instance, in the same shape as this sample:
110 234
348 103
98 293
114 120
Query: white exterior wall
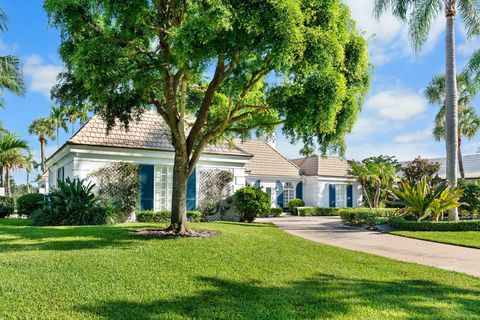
316 191
271 182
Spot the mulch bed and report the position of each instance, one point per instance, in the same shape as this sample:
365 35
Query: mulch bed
169 234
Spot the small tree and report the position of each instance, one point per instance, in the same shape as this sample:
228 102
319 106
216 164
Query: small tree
471 197
418 168
251 202
294 204
203 66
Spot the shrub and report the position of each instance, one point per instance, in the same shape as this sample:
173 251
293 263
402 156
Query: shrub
194 216
276 212
7 206
154 216
30 202
471 197
366 216
72 203
251 202
402 224
294 204
317 211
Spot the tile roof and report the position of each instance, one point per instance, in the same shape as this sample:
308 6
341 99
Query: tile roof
323 166
471 165
266 160
149 133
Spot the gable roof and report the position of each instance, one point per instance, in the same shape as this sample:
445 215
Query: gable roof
266 160
323 166
149 133
471 165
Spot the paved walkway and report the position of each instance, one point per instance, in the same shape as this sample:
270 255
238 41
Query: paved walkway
329 230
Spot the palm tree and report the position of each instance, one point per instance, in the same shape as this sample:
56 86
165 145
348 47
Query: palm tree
58 116
420 15
77 113
468 122
10 156
365 176
30 164
42 128
11 77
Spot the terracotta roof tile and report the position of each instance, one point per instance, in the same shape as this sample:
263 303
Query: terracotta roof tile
150 132
323 166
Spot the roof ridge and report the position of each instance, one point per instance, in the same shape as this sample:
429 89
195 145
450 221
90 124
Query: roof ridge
278 152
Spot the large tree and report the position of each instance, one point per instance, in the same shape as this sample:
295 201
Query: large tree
43 128
468 120
420 16
203 66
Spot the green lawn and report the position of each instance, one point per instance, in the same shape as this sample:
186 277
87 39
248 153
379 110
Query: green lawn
463 238
249 272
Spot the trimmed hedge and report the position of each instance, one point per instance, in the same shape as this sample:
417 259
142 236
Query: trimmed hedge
164 216
401 224
7 206
317 211
366 216
30 202
294 204
275 212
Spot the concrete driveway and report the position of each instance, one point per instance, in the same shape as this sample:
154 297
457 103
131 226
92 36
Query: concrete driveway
329 230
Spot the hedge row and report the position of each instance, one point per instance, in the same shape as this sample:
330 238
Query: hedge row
401 224
317 211
366 216
164 216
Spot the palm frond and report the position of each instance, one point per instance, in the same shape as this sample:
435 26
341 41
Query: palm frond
472 69
421 20
469 9
11 75
435 91
3 21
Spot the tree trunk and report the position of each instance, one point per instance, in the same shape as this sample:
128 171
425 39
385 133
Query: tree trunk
7 181
366 195
178 222
1 177
451 115
28 181
460 158
58 138
42 151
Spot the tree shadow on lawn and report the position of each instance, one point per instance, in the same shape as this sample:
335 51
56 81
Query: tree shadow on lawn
322 296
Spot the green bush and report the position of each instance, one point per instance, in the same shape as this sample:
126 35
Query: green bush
251 202
154 216
366 216
275 212
30 202
317 211
194 216
72 203
471 197
294 204
7 206
402 224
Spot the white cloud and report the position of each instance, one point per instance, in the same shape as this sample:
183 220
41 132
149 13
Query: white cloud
396 104
417 136
42 75
389 37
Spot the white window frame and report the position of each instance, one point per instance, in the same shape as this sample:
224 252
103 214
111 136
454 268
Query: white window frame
162 187
288 193
340 195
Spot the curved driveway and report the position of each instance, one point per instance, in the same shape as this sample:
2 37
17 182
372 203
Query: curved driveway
329 230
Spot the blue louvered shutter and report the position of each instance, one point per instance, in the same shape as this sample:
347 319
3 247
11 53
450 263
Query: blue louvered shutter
279 194
257 183
299 191
146 187
192 191
331 195
350 196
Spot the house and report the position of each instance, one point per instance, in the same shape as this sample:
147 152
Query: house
471 165
319 181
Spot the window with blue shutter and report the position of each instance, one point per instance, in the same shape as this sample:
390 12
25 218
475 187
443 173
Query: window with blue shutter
146 187
350 196
279 194
299 191
257 184
192 191
331 195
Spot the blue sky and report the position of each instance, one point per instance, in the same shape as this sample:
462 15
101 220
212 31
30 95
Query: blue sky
396 119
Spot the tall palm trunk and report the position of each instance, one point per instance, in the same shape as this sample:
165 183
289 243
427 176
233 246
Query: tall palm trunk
460 158
42 151
58 138
7 180
28 181
1 177
451 115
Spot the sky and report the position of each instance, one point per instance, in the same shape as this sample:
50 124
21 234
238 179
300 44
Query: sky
396 119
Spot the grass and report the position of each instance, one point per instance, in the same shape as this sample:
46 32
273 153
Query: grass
462 238
249 272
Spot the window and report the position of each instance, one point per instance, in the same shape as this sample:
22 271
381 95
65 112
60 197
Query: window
61 174
340 196
163 187
288 193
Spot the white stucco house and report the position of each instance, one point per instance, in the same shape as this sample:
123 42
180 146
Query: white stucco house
319 181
